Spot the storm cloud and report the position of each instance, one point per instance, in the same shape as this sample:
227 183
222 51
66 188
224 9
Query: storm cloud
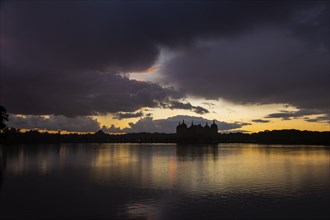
89 94
67 57
123 34
265 66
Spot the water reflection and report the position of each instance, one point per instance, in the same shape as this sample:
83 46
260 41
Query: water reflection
2 165
163 181
191 152
173 166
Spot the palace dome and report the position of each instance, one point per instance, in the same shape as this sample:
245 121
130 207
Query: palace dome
214 126
182 125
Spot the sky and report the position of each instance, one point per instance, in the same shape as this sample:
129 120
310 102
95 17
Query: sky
143 66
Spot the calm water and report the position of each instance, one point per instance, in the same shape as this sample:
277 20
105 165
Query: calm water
164 181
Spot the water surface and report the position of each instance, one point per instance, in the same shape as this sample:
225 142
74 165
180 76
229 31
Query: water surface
164 181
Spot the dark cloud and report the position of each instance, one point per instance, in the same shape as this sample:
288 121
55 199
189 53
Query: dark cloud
260 121
288 115
284 115
172 104
64 57
122 115
76 124
168 125
200 110
266 66
111 129
322 119
88 94
123 34
242 123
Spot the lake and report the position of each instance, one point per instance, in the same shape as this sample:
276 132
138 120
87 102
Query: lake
164 181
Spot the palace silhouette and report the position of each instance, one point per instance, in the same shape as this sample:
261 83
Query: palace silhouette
196 133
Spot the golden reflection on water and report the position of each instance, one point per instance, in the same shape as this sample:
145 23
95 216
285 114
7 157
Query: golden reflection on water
223 168
112 162
186 168
143 166
172 171
255 168
18 168
155 175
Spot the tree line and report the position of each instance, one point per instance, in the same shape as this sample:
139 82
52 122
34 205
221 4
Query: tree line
15 136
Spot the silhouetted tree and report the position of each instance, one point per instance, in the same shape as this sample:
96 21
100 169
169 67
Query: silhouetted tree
3 117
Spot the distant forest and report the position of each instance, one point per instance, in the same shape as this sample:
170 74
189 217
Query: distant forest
13 136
